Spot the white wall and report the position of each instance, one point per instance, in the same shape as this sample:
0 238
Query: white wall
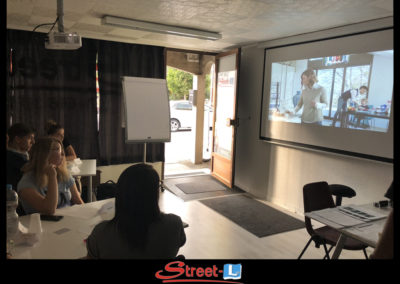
278 173
381 85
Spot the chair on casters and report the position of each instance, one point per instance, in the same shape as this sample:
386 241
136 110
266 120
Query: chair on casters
318 196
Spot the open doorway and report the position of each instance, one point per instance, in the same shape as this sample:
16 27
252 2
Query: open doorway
190 87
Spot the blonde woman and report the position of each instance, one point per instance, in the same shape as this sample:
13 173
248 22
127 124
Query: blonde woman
53 129
313 99
46 183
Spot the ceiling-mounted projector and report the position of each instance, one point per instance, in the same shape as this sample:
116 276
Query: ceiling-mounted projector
63 41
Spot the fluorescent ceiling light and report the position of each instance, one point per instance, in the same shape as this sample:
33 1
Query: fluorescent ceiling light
159 28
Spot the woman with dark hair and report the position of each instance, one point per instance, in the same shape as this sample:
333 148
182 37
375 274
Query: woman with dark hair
55 130
139 228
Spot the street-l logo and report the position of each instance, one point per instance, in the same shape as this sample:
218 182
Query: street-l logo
232 271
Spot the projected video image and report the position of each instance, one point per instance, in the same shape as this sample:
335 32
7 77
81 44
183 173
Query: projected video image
348 91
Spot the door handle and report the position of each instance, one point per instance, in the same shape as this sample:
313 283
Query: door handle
232 122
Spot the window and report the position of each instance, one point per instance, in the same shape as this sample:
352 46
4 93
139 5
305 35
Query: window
183 106
332 80
337 88
356 76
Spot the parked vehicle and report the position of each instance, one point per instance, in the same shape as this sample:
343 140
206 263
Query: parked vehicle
182 115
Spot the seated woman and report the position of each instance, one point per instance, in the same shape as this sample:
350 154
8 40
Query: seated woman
46 183
55 130
139 229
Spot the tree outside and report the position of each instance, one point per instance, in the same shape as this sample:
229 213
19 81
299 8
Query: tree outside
180 82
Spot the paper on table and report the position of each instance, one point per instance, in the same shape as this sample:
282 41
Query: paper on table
335 218
80 211
87 229
86 211
360 212
369 231
107 211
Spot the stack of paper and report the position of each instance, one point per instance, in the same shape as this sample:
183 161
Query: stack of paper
334 218
361 213
345 216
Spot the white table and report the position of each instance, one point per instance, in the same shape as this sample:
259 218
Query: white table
65 239
368 233
87 169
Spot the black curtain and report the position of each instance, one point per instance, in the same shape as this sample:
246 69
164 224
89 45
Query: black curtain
53 84
61 85
114 61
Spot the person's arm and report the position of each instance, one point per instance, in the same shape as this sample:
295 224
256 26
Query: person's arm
299 104
70 154
384 248
323 102
43 204
75 196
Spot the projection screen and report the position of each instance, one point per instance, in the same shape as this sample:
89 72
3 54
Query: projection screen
348 110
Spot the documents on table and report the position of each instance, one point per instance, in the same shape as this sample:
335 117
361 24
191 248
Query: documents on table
86 211
368 232
79 211
345 216
361 213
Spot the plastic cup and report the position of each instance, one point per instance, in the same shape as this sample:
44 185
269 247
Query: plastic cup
35 225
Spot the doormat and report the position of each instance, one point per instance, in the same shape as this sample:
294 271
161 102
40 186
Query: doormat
254 216
198 187
206 185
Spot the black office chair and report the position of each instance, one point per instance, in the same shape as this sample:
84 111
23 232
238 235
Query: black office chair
340 190
318 196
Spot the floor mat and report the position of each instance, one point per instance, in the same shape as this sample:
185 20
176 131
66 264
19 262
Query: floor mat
198 187
254 216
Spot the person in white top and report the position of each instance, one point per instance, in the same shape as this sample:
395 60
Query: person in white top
359 96
313 99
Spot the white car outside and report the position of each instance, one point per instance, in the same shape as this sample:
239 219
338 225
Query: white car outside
182 115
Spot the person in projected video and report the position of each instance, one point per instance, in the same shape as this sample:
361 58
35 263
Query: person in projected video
313 99
356 96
